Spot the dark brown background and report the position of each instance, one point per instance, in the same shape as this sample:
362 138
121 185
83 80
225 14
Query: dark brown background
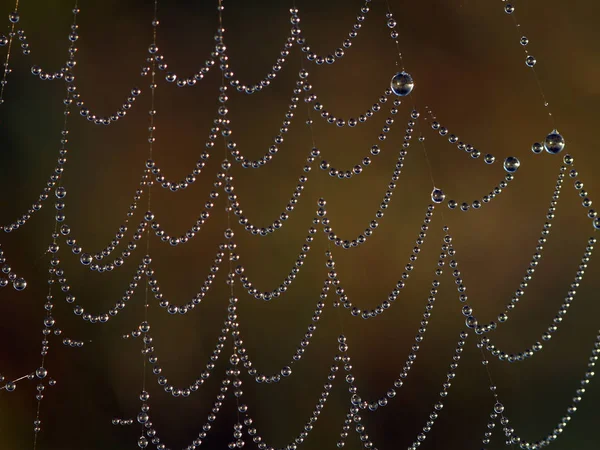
468 67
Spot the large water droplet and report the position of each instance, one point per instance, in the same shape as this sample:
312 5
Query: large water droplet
86 259
437 195
19 284
402 84
511 164
554 143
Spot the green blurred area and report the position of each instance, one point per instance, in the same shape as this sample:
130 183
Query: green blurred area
469 69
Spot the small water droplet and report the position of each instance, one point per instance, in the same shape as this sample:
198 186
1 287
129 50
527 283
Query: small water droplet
530 61
511 164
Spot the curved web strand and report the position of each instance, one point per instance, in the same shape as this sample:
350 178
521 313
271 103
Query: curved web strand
150 354
357 400
145 270
375 150
54 179
285 371
453 139
529 352
479 202
146 420
309 426
339 53
184 308
361 429
301 85
348 243
253 88
90 258
11 385
7 276
267 295
345 301
530 271
102 317
332 119
571 410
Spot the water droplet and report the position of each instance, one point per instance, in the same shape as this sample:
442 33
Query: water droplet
19 284
554 143
402 84
524 40
471 322
511 164
537 148
142 442
530 61
437 195
86 259
499 408
509 8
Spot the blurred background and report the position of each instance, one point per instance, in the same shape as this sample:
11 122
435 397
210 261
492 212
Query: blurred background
469 69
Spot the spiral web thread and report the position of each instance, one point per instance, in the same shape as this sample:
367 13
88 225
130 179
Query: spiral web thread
332 285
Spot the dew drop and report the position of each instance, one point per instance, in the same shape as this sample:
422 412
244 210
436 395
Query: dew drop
402 84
